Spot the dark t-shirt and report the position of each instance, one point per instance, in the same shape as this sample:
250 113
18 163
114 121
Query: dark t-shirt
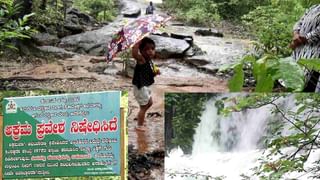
150 9
143 74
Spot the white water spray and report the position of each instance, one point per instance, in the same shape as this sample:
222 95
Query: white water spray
224 146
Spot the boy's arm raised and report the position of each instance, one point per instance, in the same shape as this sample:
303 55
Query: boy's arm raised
136 54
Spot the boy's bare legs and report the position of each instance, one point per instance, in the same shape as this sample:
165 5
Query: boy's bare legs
142 113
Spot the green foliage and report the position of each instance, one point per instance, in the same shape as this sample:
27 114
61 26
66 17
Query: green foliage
236 82
266 71
272 25
310 64
201 12
234 9
51 15
204 12
187 111
10 28
103 10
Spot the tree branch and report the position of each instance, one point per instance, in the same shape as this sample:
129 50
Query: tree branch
286 118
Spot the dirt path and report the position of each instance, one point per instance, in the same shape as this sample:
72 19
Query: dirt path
82 73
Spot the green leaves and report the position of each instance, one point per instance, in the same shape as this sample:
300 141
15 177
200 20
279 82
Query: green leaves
266 71
236 82
310 64
13 29
291 74
272 25
102 10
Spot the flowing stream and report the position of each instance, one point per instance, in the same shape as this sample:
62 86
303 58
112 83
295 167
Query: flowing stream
226 147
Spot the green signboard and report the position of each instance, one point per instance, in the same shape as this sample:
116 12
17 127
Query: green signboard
62 135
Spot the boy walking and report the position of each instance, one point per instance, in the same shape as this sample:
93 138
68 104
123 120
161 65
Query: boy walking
143 77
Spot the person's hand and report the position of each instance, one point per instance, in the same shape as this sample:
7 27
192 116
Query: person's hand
296 35
303 39
156 70
297 41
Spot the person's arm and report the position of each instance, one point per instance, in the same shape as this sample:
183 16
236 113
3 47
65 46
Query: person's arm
297 39
297 26
136 54
313 36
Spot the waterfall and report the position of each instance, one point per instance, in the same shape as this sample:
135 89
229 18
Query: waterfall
229 146
241 131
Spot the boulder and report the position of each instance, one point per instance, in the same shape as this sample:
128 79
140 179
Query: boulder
131 9
197 61
76 22
167 47
45 39
91 42
84 19
208 32
55 51
187 38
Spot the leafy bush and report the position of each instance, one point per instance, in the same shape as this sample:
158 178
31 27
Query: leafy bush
201 12
103 10
52 15
266 71
272 26
234 9
10 28
204 12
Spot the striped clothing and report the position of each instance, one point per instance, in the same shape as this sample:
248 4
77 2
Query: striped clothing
309 26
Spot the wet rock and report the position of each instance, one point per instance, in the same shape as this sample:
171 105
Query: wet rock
208 32
76 22
177 24
74 28
194 51
170 47
197 61
129 68
98 68
55 51
187 38
131 9
45 39
83 19
158 33
91 42
141 165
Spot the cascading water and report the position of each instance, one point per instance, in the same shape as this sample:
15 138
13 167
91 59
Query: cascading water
224 146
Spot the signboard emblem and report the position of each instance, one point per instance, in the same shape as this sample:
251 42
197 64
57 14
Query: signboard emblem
11 107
